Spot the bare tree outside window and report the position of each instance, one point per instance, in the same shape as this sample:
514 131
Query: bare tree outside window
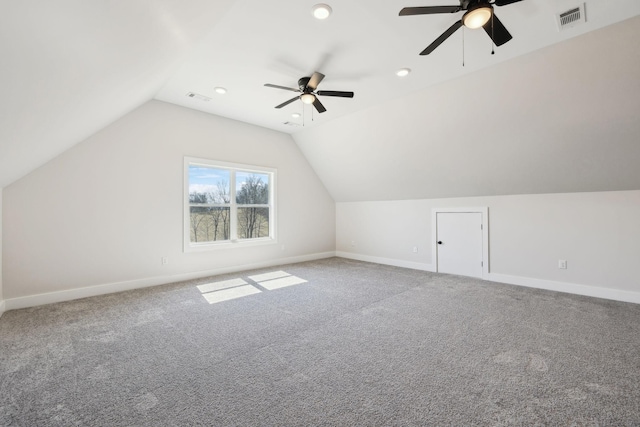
198 215
224 215
209 204
252 197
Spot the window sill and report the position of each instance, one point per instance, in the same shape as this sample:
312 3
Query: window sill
229 244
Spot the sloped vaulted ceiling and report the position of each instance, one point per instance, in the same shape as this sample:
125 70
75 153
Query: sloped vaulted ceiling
551 111
565 118
71 67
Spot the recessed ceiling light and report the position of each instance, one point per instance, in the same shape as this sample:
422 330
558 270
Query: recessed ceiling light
220 90
403 72
321 11
296 115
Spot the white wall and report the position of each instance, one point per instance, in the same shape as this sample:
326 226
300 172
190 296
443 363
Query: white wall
1 294
104 213
597 233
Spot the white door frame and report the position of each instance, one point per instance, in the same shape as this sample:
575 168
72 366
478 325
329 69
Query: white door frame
484 211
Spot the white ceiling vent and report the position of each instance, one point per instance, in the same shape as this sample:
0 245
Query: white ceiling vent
572 17
198 97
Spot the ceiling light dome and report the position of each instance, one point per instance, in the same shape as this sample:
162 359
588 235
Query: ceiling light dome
308 98
321 11
477 17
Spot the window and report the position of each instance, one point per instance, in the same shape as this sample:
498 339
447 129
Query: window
227 203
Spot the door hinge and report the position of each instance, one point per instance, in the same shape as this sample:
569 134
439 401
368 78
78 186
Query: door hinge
481 263
481 227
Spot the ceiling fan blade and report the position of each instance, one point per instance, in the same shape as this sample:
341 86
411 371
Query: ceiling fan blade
319 106
505 2
437 42
282 87
499 34
288 102
315 80
335 93
429 10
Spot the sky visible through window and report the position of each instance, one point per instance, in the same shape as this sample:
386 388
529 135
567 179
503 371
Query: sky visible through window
203 179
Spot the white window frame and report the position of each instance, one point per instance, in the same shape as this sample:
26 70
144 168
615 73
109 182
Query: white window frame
234 241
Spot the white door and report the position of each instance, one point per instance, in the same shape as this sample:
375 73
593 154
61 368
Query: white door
459 243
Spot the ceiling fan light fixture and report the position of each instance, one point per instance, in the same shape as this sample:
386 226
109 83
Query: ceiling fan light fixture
476 18
321 11
308 98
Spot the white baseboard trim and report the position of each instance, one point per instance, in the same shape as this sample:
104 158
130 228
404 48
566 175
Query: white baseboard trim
109 288
71 294
386 261
570 288
2 308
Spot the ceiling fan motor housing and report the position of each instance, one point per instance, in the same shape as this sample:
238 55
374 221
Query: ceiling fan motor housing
473 4
302 84
307 88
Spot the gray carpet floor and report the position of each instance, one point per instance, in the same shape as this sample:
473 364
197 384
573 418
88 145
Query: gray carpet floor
357 344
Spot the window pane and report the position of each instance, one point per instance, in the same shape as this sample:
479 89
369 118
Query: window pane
252 188
226 203
208 185
253 223
209 224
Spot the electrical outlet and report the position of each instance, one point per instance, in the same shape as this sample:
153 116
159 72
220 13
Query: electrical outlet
415 249
353 243
562 263
164 260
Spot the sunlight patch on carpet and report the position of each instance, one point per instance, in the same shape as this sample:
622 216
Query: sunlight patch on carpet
226 290
281 283
276 280
218 286
269 276
231 293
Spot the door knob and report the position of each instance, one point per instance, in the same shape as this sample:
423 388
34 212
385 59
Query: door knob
439 242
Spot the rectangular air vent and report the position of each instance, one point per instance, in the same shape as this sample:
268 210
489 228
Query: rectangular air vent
571 17
198 97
